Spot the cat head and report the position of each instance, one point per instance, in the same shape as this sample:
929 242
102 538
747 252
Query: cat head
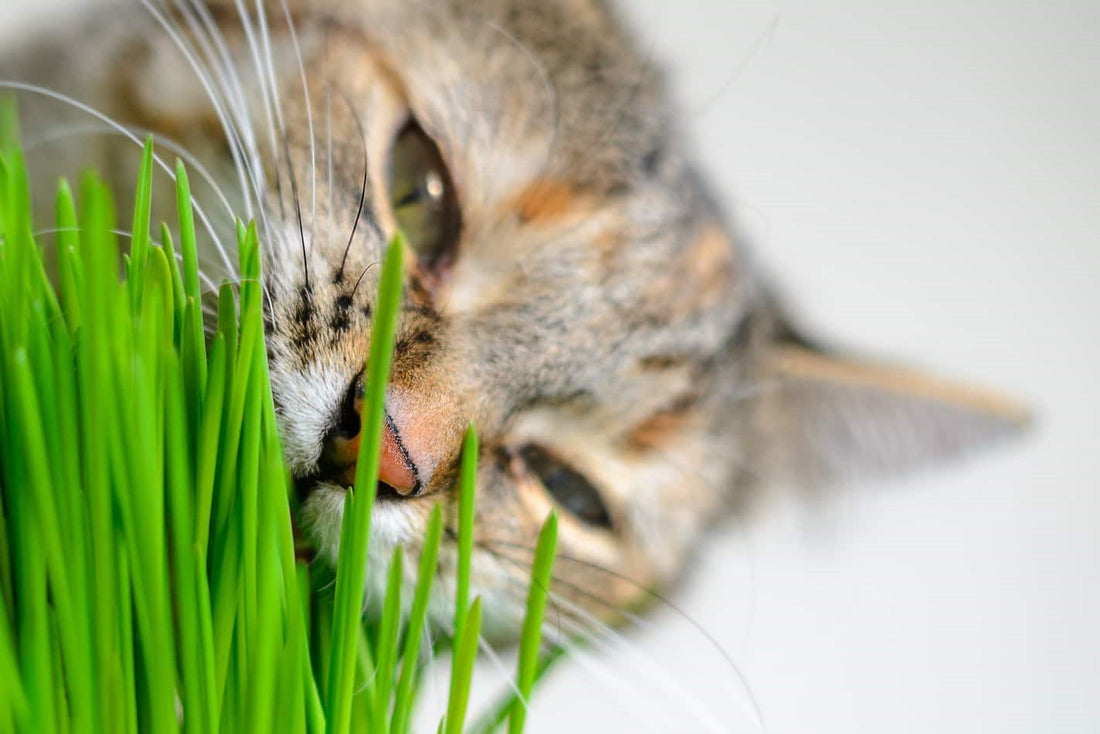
574 292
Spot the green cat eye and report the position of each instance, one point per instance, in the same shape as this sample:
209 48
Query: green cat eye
422 196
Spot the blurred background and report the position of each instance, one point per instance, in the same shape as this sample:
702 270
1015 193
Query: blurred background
922 179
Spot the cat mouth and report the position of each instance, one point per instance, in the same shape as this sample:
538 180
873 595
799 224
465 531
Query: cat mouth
305 487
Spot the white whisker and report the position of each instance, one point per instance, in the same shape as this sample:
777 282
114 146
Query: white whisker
265 95
219 109
610 640
35 89
224 104
129 235
328 107
309 118
193 163
624 694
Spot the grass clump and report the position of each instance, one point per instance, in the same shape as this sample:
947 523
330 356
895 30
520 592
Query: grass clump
148 580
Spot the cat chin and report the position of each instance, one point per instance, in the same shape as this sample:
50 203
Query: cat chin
402 522
393 523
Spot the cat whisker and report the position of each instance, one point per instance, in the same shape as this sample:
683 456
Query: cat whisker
309 120
362 192
483 644
608 642
621 690
575 589
120 233
265 67
578 623
360 278
241 137
611 641
266 102
328 160
193 163
297 207
236 126
232 85
521 582
743 63
65 99
205 78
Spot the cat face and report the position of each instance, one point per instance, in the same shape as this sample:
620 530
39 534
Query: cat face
571 294
574 292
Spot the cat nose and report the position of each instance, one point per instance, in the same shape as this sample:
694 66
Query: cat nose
341 449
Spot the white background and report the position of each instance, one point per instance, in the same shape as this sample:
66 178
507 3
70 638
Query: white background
923 179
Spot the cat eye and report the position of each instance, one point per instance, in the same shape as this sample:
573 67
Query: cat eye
568 487
422 196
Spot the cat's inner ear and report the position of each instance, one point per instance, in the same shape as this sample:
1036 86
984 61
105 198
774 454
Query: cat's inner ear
827 418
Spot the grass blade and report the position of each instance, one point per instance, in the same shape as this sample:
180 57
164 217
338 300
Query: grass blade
465 653
351 565
531 637
410 655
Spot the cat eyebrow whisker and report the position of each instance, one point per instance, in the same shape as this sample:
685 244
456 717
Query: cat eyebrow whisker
363 191
360 278
297 207
274 104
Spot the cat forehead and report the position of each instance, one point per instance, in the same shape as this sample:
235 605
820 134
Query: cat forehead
557 84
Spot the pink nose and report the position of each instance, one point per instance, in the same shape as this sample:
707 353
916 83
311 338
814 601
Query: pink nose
395 467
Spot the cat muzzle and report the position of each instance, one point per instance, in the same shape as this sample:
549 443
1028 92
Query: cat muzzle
396 468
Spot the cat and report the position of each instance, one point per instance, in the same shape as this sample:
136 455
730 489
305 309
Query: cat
575 291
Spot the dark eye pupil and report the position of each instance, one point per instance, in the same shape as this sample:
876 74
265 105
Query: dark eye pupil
568 487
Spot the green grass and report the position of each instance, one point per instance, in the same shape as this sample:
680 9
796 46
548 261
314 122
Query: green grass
147 563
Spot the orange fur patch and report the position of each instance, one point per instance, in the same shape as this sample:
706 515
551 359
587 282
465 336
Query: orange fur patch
545 200
700 279
710 265
659 429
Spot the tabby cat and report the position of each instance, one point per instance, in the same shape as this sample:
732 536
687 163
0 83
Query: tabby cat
575 292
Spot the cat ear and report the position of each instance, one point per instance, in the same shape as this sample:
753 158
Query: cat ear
827 418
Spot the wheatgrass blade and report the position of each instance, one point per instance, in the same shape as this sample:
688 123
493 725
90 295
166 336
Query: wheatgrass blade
351 565
466 492
139 233
197 697
465 653
410 655
69 270
531 636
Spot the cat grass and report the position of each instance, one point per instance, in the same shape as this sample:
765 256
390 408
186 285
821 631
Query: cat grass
148 576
